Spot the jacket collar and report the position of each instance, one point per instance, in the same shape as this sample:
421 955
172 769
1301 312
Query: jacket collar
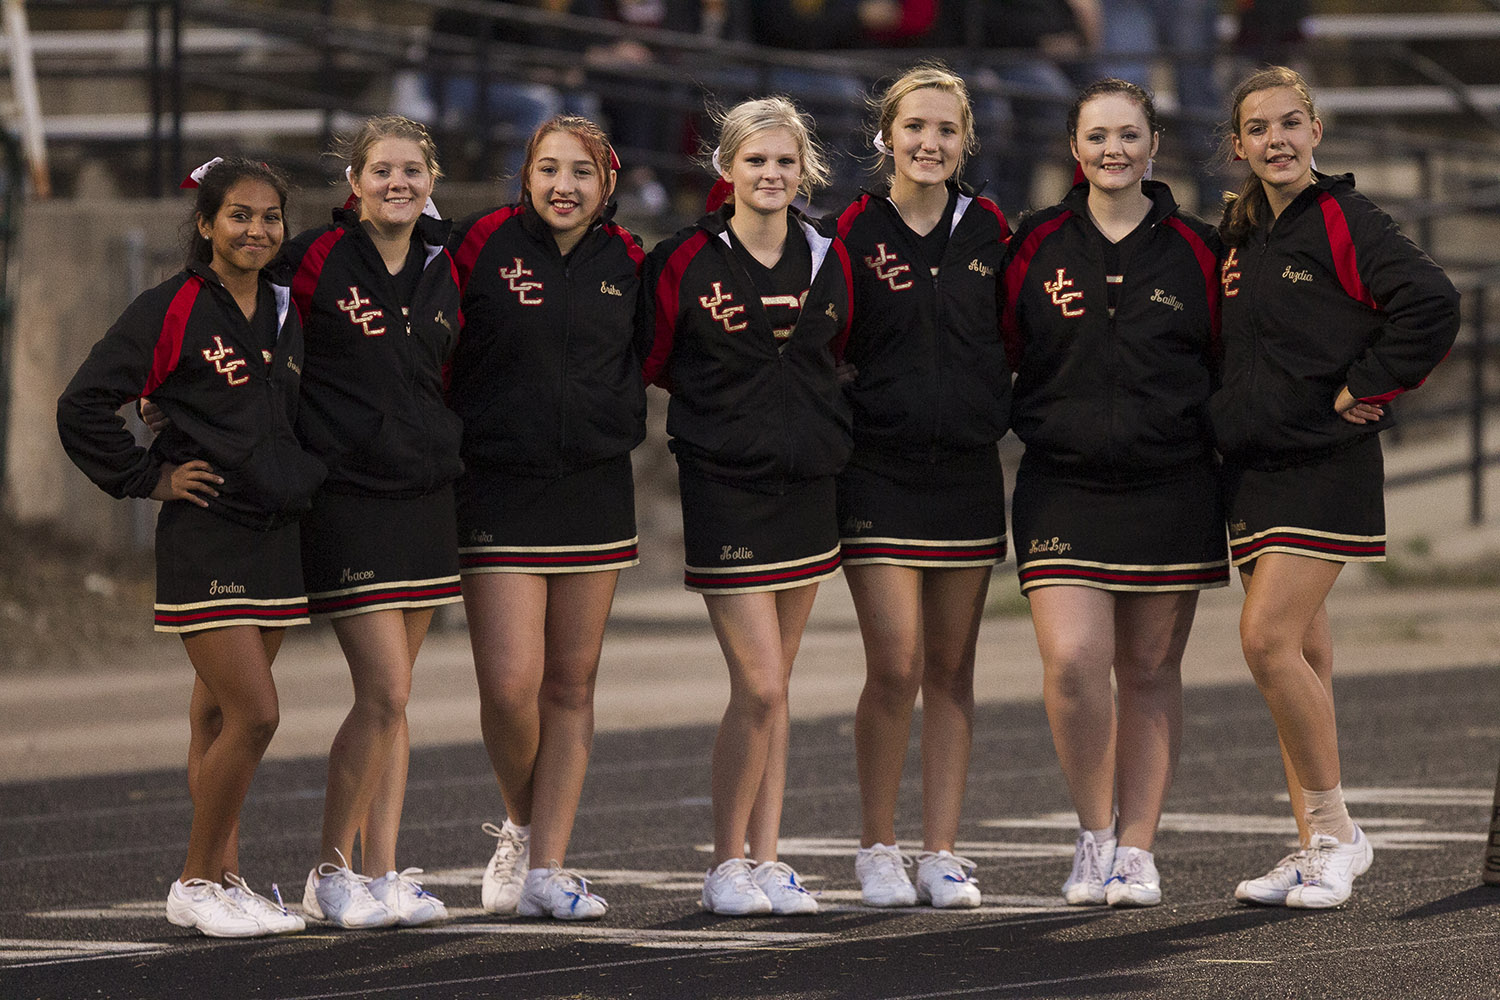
716 224
538 230
280 290
1163 203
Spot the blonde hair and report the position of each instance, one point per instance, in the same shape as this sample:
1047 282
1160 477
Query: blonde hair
749 118
354 148
1249 208
928 75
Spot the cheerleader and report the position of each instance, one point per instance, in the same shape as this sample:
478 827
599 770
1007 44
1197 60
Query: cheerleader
1330 313
220 351
745 316
1111 311
548 385
921 503
379 300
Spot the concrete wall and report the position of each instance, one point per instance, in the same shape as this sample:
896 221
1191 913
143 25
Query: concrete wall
77 267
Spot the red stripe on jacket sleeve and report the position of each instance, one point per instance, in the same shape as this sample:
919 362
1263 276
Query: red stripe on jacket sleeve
168 349
993 209
474 240
666 293
842 340
637 255
1208 263
305 282
1015 277
846 219
1342 244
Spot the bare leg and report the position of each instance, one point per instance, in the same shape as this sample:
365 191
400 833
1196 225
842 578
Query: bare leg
1283 600
952 606
507 629
753 630
792 609
1151 631
234 666
375 645
382 823
577 608
888 600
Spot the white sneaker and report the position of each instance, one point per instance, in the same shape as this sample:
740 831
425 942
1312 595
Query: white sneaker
342 897
1331 867
203 904
1093 862
559 893
730 890
883 880
1271 888
274 915
779 883
946 881
413 905
500 889
1133 880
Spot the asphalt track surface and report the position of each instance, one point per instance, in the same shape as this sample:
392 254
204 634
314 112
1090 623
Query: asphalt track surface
86 863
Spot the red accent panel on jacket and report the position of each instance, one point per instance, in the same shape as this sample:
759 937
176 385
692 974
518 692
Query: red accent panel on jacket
854 211
665 294
1210 267
305 282
474 240
842 340
168 349
632 248
1015 276
992 208
1342 244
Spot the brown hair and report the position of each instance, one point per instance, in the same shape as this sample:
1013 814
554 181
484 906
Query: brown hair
1249 208
595 146
354 148
928 75
1113 85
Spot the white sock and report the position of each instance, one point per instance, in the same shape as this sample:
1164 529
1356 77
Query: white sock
524 832
1327 814
1108 833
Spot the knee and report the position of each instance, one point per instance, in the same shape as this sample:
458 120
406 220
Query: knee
1264 646
894 683
758 703
568 691
1148 674
255 724
1073 675
952 680
385 708
509 694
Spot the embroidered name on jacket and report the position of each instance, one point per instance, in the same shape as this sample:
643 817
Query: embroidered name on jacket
516 276
1063 299
1229 273
225 363
1296 276
888 269
353 304
1160 295
719 308
984 269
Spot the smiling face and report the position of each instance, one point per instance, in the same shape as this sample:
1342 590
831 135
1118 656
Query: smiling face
1113 142
246 231
1276 135
926 138
394 184
566 188
766 170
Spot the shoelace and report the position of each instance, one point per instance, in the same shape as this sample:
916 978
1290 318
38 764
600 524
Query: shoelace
784 870
343 869
508 846
964 865
1132 867
741 871
893 856
256 897
404 877
1315 857
216 890
571 879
